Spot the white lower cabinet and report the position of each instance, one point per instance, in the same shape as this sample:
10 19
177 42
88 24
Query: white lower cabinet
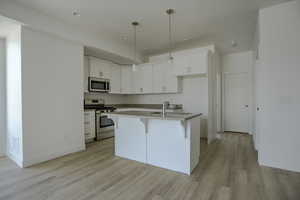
89 125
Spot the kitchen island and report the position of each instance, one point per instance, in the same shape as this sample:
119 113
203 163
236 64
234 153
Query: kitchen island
171 141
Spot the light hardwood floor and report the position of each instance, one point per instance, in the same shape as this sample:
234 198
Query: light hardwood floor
228 170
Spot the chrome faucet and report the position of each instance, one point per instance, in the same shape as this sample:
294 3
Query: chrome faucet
165 105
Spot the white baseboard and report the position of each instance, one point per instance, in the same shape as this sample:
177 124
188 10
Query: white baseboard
43 158
272 164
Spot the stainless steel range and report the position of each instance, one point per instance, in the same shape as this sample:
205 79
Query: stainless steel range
104 125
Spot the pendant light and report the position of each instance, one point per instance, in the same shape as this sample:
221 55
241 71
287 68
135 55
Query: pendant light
170 12
134 24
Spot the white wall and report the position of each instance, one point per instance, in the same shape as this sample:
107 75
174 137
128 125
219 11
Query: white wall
14 95
52 96
2 97
279 31
241 62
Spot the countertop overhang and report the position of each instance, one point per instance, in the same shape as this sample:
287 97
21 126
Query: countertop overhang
156 115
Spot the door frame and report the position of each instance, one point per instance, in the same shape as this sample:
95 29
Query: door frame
250 98
3 140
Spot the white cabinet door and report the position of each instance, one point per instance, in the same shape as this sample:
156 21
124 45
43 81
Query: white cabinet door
137 81
89 124
164 79
115 80
180 64
86 70
142 79
100 68
145 78
147 74
126 80
195 63
158 78
170 79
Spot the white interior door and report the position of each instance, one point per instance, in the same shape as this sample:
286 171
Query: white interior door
236 97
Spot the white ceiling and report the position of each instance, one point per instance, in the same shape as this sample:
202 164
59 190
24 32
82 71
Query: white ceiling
195 21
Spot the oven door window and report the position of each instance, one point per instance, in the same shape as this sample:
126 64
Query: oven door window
98 85
105 122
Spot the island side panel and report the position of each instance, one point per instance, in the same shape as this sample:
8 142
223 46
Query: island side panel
130 139
194 129
166 145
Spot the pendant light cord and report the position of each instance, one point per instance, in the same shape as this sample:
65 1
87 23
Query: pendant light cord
170 37
135 44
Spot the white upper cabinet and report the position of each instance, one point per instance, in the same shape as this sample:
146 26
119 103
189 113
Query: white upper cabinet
115 79
142 79
164 80
194 63
126 80
100 68
158 78
149 78
171 80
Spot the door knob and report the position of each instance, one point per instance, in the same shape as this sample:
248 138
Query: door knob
246 106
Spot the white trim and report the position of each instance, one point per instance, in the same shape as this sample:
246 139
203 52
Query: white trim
40 159
3 98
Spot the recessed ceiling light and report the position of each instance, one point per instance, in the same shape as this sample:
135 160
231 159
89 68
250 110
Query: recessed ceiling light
76 13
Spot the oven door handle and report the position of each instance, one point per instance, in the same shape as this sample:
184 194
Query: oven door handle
107 86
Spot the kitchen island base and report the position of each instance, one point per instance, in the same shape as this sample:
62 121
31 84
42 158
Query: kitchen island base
170 144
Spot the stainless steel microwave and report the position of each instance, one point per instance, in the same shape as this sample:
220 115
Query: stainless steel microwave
98 85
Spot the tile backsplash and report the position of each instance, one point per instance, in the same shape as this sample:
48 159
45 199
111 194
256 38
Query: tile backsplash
108 98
